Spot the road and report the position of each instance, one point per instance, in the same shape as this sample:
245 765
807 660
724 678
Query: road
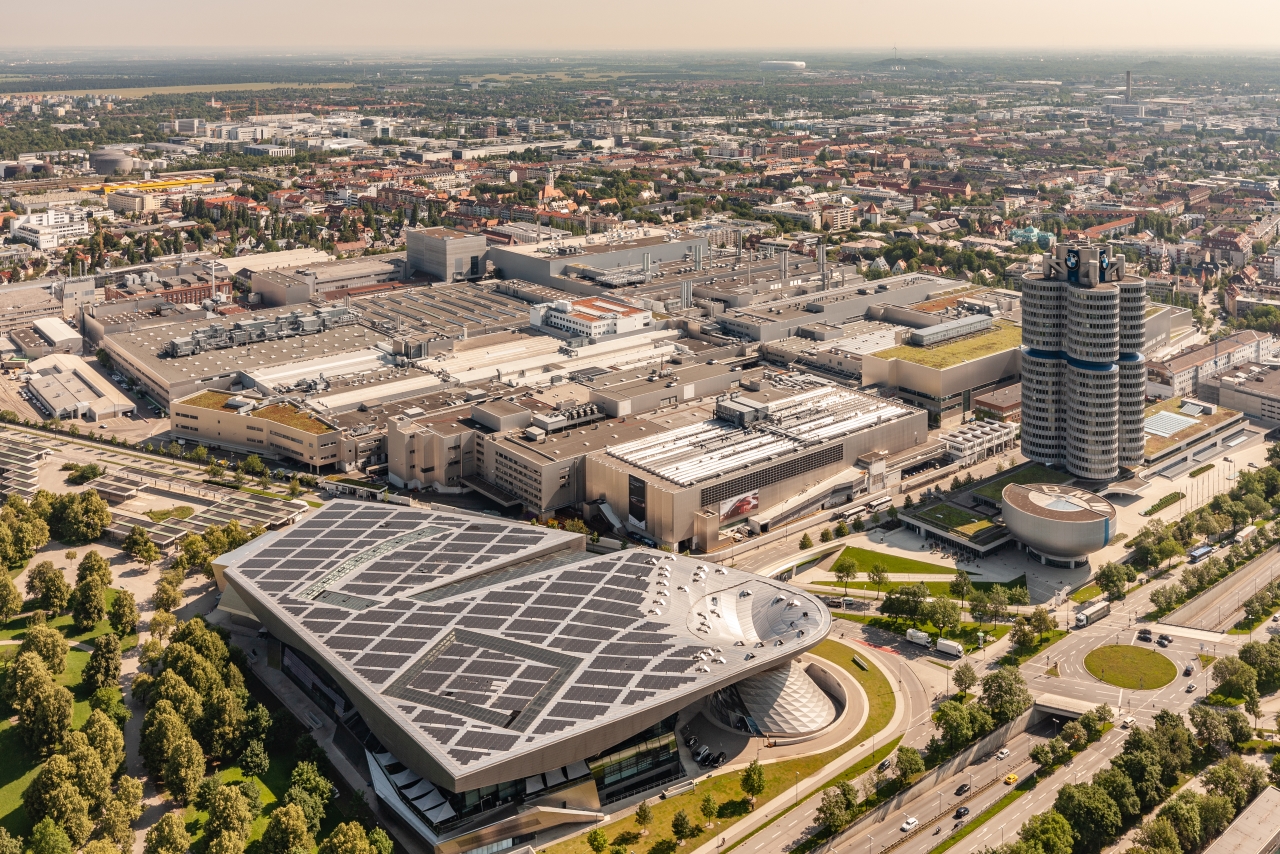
1223 605
800 822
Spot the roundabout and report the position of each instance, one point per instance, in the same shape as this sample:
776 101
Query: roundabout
1130 667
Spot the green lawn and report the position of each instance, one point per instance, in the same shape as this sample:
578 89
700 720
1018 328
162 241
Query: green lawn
779 777
967 633
946 515
1034 473
16 628
892 563
1086 593
1130 667
936 588
1020 655
22 765
182 511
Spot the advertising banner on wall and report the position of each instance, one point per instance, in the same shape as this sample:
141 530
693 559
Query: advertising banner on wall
636 502
740 505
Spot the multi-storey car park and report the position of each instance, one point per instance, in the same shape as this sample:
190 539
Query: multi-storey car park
496 682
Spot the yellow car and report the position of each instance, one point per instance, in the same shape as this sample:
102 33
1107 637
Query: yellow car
1011 779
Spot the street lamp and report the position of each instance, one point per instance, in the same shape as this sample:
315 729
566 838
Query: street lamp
797 788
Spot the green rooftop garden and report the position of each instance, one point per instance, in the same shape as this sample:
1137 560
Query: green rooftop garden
1003 336
1034 473
291 416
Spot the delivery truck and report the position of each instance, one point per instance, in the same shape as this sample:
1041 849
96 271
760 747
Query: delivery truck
1092 614
918 637
950 647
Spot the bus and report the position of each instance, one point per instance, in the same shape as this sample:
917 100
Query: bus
879 503
1199 553
854 512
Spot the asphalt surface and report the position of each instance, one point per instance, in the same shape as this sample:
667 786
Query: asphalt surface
1222 606
936 807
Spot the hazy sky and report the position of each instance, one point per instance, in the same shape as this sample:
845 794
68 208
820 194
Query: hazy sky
489 26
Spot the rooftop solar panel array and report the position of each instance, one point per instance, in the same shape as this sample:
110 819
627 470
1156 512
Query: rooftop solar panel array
491 637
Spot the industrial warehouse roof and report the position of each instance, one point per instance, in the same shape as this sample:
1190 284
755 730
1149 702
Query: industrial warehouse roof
708 449
481 650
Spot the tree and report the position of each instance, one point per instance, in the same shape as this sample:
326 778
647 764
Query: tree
44 708
878 575
55 794
1116 783
752 781
964 676
1005 694
286 831
223 722
806 542
644 816
46 584
952 720
78 517
909 763
1021 634
1093 817
123 614
139 547
943 613
93 565
1041 622
1237 780
709 808
681 827
10 600
961 587
1112 579
833 811
255 762
9 844
103 669
1049 831
48 838
379 841
47 643
228 813
88 604
842 530
184 769
1159 835
105 737
1183 813
169 836
1235 678
845 570
350 838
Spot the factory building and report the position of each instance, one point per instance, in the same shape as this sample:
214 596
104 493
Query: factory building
589 317
270 428
445 255
763 449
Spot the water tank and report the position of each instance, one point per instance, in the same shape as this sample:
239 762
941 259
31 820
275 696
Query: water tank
111 160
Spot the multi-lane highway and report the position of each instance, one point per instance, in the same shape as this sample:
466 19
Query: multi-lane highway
1220 607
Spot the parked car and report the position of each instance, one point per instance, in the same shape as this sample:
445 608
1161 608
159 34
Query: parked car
691 742
910 824
702 753
884 766
720 759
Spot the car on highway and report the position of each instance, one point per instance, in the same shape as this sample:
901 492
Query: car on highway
1191 687
1162 643
1004 751
962 812
1165 638
910 824
964 787
1144 635
884 766
1011 779
1275 618
1188 670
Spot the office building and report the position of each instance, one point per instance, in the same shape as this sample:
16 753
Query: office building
1083 371
496 682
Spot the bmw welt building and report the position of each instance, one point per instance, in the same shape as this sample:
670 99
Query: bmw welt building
497 680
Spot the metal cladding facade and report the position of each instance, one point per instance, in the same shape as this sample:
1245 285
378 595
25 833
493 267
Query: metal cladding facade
1083 372
1059 522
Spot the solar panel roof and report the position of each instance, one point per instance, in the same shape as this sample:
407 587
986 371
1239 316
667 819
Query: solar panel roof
480 650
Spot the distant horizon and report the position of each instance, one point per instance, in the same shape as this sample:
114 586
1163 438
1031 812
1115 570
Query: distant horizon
507 26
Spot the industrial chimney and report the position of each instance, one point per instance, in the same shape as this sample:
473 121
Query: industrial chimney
1128 87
